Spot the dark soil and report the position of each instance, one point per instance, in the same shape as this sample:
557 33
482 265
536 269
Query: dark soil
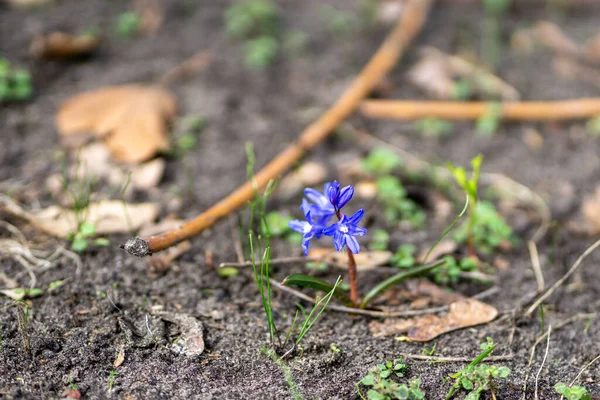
76 331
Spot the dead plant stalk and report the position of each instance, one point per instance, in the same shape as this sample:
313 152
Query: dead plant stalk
409 24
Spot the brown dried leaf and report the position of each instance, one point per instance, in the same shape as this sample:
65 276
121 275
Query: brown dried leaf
29 3
108 216
131 119
308 174
63 45
591 212
120 358
552 36
431 74
591 49
461 314
365 260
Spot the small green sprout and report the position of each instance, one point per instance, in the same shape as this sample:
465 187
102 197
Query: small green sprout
81 239
573 392
384 388
339 22
434 127
112 377
380 240
127 25
335 349
450 271
190 127
404 256
428 351
381 161
226 272
476 378
462 90
489 122
15 84
256 22
489 230
396 205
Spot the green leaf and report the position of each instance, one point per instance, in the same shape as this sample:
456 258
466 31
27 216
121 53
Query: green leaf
374 395
226 272
101 242
87 229
368 380
467 384
79 244
317 284
394 280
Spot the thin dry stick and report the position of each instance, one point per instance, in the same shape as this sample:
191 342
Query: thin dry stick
583 369
536 265
275 261
386 57
566 276
373 313
454 110
455 359
537 377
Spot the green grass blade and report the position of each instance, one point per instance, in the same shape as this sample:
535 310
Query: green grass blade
317 284
447 231
394 280
310 321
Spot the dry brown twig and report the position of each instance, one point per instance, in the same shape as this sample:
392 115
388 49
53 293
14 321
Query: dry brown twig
409 24
455 110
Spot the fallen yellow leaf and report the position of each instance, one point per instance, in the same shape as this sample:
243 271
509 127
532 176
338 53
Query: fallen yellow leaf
131 119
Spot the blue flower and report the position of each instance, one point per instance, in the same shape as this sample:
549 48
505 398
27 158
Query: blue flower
339 198
311 228
320 208
343 232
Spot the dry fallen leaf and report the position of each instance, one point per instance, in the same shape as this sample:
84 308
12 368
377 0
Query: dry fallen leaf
591 49
120 358
570 68
552 36
308 174
131 119
108 216
591 212
365 260
431 74
29 3
461 314
63 45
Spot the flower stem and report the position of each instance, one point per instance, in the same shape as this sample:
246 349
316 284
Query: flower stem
352 272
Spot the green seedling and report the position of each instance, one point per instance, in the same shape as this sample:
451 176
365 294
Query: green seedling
112 377
428 351
15 84
491 36
339 22
380 240
462 90
256 22
279 228
488 231
312 318
334 348
434 127
396 205
190 128
404 256
381 161
227 272
489 122
127 25
593 126
573 392
476 378
82 239
18 294
451 270
287 372
382 387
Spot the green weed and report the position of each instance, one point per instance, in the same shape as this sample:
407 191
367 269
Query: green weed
476 378
112 377
396 205
404 256
127 25
382 387
15 84
573 392
256 22
381 161
380 240
450 271
434 127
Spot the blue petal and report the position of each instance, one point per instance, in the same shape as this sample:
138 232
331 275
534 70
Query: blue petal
356 230
339 240
313 195
330 230
298 225
352 244
305 244
345 196
356 217
333 192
